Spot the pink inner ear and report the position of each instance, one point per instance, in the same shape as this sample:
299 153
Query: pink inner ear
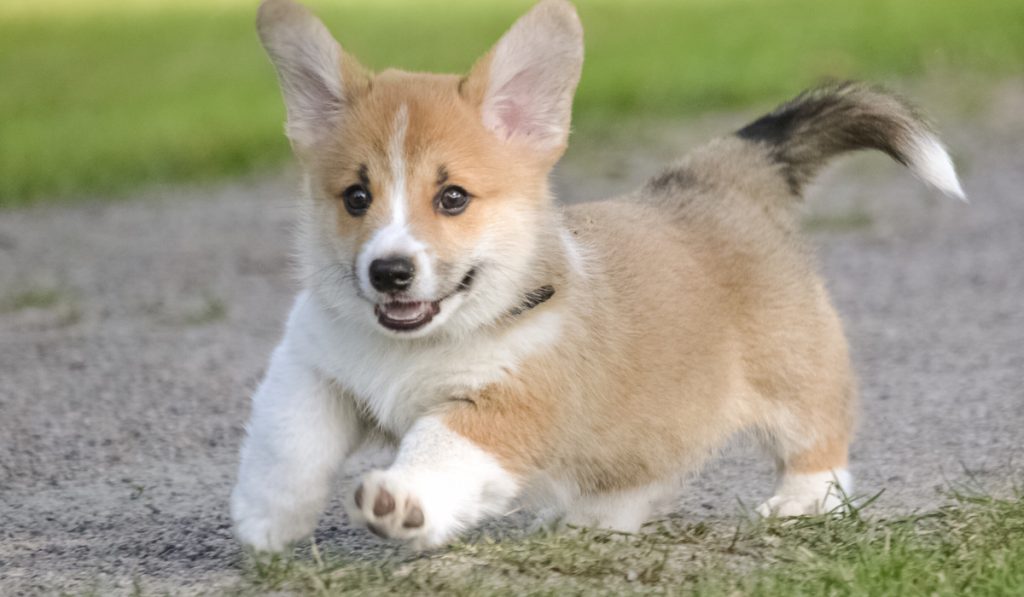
519 108
511 118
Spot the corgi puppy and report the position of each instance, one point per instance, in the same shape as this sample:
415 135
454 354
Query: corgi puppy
581 358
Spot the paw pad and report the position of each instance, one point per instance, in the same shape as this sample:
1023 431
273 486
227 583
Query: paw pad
384 504
388 512
414 519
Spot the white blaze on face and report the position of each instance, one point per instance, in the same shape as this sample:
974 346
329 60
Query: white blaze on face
395 239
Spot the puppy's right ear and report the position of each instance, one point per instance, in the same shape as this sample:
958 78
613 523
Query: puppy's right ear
317 78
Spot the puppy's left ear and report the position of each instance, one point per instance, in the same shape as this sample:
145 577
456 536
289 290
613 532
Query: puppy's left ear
525 84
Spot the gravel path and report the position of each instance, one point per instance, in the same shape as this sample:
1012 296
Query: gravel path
132 333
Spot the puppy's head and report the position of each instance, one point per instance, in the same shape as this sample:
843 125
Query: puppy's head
427 194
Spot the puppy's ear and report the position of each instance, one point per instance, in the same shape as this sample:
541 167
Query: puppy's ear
317 78
525 84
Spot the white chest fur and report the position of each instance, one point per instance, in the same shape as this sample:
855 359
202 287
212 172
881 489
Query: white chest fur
397 380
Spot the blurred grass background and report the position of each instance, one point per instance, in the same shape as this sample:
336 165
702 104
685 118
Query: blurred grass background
98 97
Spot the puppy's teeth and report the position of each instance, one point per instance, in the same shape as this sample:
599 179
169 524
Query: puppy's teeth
404 311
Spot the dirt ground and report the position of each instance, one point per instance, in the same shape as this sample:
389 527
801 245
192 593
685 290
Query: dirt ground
131 334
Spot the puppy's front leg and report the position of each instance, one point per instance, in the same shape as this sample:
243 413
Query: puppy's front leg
301 429
441 483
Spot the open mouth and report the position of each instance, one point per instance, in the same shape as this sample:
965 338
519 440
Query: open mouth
406 316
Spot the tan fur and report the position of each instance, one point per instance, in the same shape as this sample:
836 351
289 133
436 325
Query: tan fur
688 327
699 316
696 314
444 131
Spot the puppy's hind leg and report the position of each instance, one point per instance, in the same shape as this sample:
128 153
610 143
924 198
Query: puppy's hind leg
806 415
811 481
810 441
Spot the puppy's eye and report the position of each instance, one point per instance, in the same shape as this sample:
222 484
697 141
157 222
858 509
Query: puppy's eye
452 200
357 199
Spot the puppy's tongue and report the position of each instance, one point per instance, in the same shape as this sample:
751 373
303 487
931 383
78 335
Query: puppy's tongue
405 316
406 311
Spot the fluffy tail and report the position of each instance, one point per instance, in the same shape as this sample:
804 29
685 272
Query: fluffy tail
804 133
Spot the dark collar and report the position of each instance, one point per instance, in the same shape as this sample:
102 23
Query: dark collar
532 299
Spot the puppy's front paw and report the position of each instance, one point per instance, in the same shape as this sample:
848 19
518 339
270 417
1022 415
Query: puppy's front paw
390 507
265 529
262 534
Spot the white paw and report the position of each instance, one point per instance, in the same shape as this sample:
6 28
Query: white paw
798 505
267 529
390 506
808 495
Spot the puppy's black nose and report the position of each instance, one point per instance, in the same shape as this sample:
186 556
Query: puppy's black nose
392 274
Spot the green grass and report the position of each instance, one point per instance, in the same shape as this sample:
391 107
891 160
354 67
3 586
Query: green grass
59 304
973 546
100 96
33 298
212 310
